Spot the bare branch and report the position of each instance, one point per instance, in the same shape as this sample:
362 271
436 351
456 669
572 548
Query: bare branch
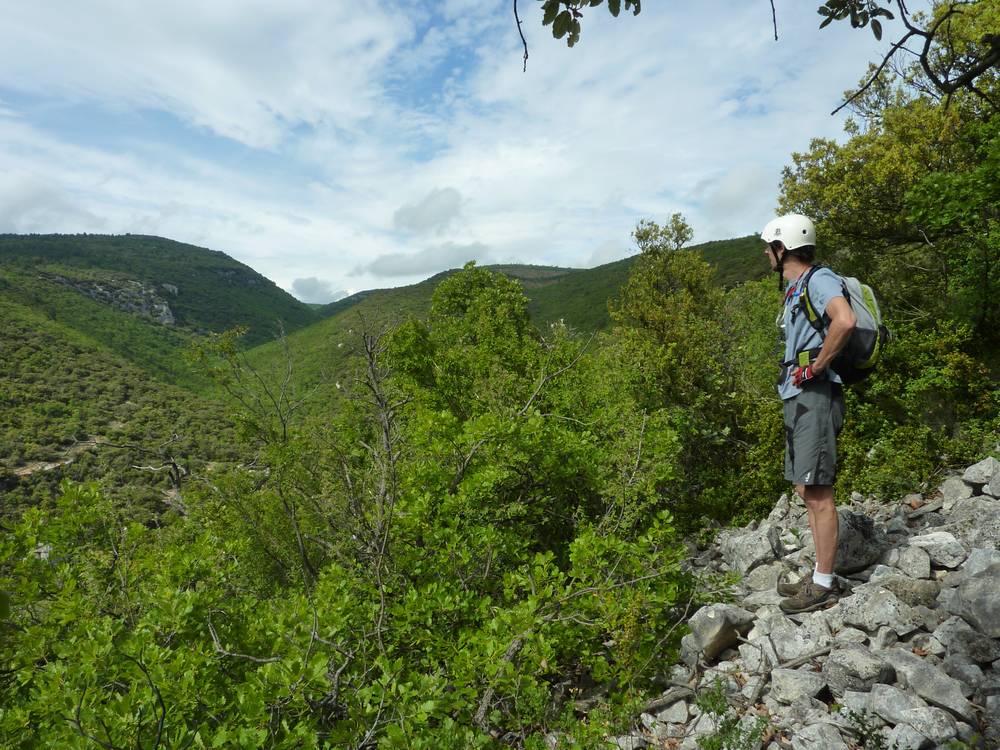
486 701
774 18
523 40
878 71
220 650
546 378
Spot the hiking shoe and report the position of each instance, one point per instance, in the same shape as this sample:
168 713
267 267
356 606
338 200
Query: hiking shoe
791 589
810 596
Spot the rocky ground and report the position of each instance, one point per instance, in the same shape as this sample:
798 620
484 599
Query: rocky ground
908 658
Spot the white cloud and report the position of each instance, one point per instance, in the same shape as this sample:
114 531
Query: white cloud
316 290
427 261
433 212
250 70
609 252
357 125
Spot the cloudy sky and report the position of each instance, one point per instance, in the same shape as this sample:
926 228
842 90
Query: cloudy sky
340 145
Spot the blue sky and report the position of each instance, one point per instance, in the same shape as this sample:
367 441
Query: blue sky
339 145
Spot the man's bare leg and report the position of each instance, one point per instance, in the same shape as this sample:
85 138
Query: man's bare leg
823 522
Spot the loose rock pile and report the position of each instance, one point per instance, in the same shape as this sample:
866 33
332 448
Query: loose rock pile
911 651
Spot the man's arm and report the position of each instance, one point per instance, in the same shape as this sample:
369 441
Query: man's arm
842 322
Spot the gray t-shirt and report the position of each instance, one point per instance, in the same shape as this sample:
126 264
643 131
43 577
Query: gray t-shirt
799 334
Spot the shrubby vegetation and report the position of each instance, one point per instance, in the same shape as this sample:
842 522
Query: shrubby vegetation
214 292
60 393
486 530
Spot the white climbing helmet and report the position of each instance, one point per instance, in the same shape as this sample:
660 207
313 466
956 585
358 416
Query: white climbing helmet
794 230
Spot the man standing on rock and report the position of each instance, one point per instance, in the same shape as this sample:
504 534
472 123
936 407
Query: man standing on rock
812 394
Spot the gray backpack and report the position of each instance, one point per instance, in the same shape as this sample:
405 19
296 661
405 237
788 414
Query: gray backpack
863 350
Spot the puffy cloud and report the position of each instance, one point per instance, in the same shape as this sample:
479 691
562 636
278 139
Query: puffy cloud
316 291
30 204
249 70
732 200
609 252
432 212
304 138
427 261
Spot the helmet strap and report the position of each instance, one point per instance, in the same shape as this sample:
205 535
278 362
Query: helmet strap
779 266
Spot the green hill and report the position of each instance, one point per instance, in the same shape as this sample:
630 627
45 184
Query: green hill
179 286
72 408
85 351
320 353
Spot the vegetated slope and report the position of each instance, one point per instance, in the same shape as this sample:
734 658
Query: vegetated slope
580 298
154 348
320 353
61 391
205 290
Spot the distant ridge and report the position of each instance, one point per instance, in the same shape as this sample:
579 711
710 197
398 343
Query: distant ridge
206 290
577 297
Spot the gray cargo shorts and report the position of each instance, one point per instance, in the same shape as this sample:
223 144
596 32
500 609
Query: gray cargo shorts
812 422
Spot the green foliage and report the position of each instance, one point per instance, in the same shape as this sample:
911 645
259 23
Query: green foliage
146 345
465 626
60 394
870 735
732 732
933 405
653 238
213 291
575 298
564 15
704 355
440 530
956 208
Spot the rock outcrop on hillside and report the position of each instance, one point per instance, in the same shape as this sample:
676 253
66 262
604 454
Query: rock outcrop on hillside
128 295
911 651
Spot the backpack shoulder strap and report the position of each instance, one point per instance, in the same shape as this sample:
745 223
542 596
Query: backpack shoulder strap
814 318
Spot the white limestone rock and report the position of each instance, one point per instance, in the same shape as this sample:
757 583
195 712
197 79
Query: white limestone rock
914 562
929 682
982 472
903 735
935 724
872 607
980 559
744 552
764 577
790 685
978 601
854 667
889 702
953 490
943 548
818 737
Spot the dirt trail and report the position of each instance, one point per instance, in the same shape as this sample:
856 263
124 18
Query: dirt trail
70 454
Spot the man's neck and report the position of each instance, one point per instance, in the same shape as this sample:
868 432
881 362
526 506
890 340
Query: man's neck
792 268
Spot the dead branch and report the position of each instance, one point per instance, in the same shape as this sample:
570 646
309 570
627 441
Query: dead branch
523 40
942 82
223 652
484 704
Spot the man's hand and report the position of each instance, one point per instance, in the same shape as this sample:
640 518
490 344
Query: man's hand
802 375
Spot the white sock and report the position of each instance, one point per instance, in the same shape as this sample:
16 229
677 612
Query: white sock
823 579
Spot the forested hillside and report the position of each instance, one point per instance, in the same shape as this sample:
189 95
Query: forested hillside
86 314
474 532
204 290
71 409
579 300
